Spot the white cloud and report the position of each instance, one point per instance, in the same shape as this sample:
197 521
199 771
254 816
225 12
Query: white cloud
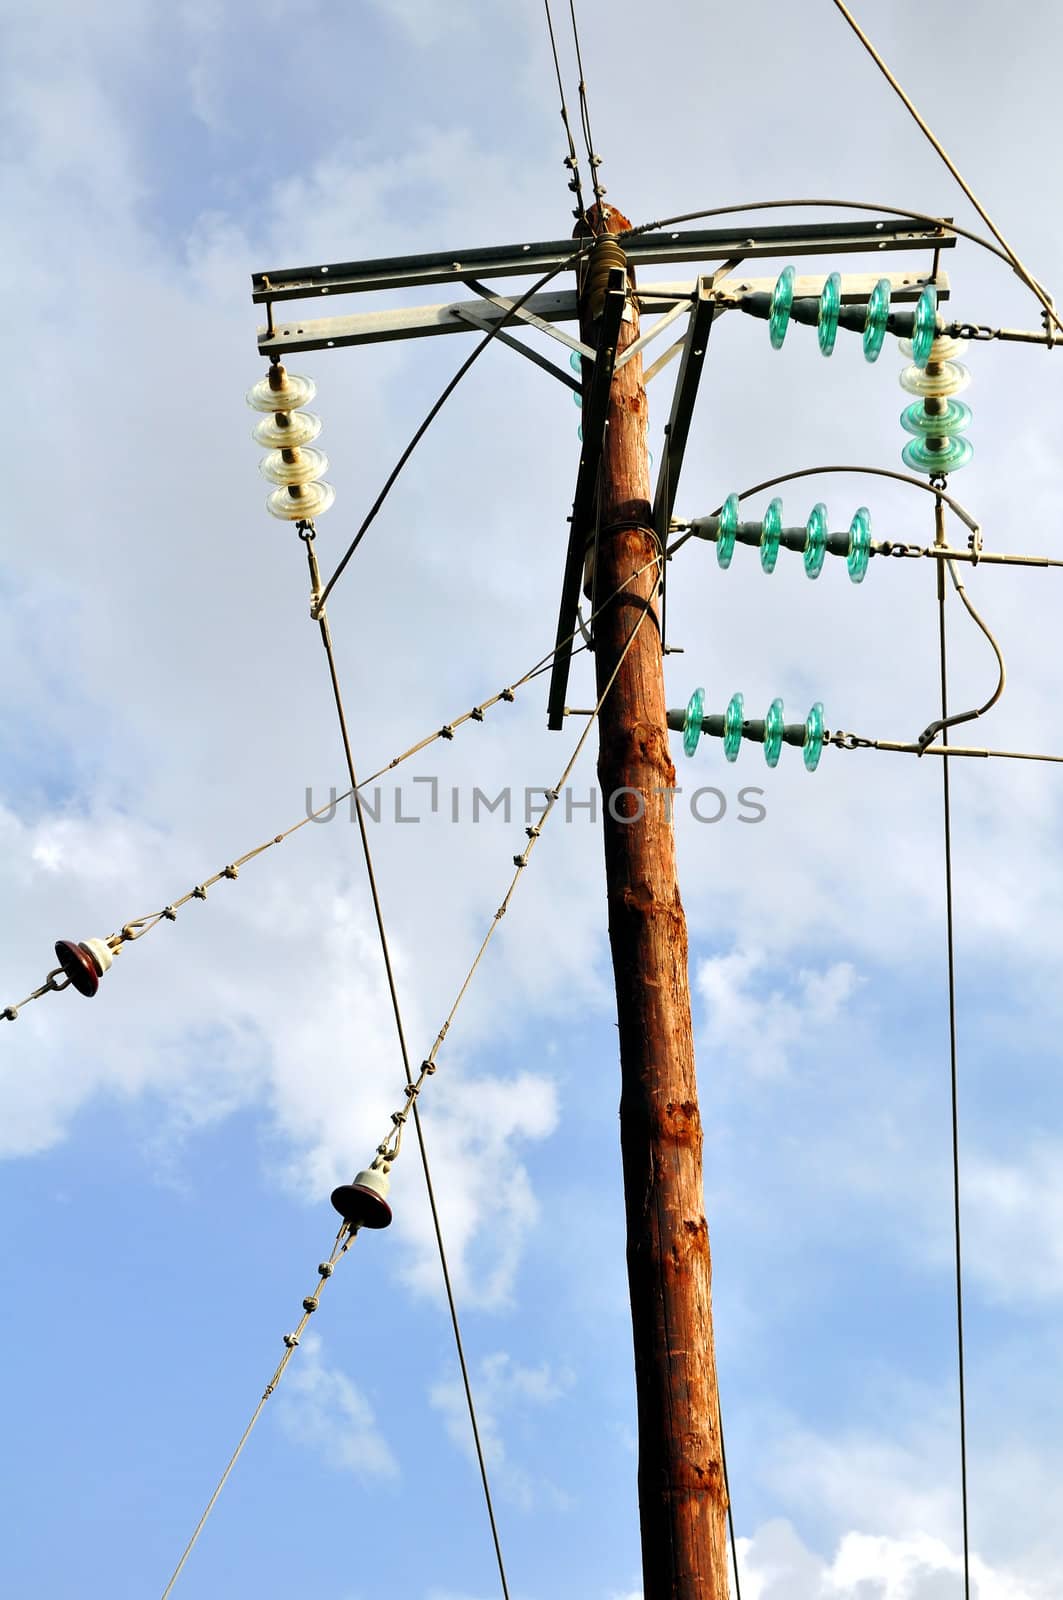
505 1392
753 1015
322 1410
1013 1223
484 1194
775 1565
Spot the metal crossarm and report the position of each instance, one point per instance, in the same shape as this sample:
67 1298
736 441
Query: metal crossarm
645 249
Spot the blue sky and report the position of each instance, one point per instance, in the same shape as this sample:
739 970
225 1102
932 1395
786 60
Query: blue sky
168 1148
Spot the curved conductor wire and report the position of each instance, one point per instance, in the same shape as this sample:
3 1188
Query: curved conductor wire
1020 270
944 721
941 499
814 472
437 407
852 205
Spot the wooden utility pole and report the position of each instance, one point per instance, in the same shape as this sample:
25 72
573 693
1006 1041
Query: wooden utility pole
682 1495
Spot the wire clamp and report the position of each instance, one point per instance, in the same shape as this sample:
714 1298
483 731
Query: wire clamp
446 731
291 1340
507 694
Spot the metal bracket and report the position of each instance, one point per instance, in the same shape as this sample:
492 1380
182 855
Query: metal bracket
595 413
686 389
525 315
477 319
648 338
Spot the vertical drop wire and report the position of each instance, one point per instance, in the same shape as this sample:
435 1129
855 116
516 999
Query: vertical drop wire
326 639
950 937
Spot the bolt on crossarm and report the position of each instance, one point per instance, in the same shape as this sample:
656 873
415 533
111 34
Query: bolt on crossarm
682 1493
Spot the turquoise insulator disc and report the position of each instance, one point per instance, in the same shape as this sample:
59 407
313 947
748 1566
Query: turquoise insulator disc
955 418
725 537
859 545
917 455
926 323
829 305
575 361
770 529
577 398
813 746
732 727
878 309
782 298
816 540
774 724
692 724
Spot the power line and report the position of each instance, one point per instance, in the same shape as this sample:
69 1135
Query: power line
137 927
571 160
594 160
307 535
390 1148
291 1342
953 1075
1020 269
845 205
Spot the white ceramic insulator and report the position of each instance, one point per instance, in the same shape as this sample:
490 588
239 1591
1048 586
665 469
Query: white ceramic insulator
101 953
313 500
293 393
308 465
942 349
952 377
303 428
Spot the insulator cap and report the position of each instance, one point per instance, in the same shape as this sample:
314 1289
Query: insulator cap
85 963
770 535
363 1203
951 378
308 465
293 392
782 299
878 311
692 723
302 428
830 303
312 500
